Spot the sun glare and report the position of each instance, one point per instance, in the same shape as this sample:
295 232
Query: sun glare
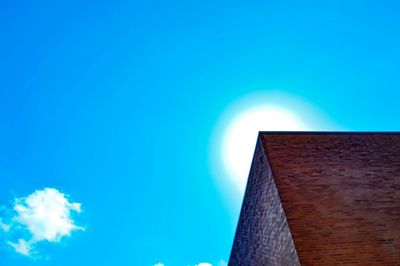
241 134
234 138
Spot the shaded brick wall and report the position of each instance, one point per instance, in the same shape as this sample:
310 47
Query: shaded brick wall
340 194
262 236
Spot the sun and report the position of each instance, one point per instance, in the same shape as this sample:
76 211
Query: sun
240 135
234 136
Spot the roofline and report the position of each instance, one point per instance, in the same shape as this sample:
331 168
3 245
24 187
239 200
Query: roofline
328 132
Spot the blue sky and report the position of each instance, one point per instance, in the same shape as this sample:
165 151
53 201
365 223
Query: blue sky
115 104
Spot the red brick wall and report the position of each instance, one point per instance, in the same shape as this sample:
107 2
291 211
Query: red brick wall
340 194
262 236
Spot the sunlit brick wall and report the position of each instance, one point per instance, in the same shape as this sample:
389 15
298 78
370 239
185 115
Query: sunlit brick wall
262 236
340 195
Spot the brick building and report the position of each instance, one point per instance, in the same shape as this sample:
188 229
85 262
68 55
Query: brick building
321 199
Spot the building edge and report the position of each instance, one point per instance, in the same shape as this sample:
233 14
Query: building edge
249 244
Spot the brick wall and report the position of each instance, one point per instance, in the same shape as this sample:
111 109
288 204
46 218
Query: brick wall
262 236
340 196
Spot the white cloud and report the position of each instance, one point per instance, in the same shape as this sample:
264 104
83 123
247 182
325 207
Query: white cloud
21 247
222 263
44 215
4 227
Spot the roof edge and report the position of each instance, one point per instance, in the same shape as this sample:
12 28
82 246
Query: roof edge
328 132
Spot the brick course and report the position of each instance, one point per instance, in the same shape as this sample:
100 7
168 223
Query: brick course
262 236
321 199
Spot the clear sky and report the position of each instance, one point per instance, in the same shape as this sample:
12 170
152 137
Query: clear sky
116 103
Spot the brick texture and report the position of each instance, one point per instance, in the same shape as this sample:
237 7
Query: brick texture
339 195
262 236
